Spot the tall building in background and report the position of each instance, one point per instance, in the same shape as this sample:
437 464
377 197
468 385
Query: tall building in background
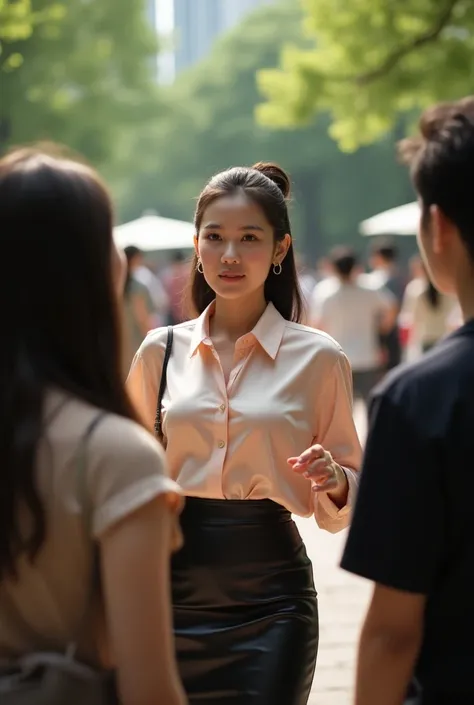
232 11
198 23
151 16
151 11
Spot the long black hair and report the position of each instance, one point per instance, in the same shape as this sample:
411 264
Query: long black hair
269 187
60 321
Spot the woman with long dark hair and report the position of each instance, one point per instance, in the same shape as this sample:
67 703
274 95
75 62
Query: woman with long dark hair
61 375
257 423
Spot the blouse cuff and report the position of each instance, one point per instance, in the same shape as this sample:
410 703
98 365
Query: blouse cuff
328 515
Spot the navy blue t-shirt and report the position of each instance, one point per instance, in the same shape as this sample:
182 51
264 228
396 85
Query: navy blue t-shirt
413 524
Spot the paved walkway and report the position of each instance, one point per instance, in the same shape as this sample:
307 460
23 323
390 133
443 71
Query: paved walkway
342 603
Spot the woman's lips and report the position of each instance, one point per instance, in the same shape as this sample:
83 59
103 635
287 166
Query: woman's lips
230 277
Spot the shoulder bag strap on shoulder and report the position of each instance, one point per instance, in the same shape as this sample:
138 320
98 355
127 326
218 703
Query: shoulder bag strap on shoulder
158 419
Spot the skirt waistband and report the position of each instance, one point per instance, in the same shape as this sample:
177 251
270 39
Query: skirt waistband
225 511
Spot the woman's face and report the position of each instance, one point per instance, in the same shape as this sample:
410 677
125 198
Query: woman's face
235 244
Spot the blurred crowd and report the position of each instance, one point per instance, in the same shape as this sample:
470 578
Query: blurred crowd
382 311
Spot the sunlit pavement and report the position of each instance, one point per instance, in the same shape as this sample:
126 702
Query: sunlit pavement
342 603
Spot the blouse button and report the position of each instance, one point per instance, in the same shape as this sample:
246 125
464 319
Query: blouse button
222 407
221 444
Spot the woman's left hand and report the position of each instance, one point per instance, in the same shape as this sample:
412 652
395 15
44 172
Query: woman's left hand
317 464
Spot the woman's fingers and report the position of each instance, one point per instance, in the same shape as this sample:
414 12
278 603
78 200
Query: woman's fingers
318 469
330 483
313 453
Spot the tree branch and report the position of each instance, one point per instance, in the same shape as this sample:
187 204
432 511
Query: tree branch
393 59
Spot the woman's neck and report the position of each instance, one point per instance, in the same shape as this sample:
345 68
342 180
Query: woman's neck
234 318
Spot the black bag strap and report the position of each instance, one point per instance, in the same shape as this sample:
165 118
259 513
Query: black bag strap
169 346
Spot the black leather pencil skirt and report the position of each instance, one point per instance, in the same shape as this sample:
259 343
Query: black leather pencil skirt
244 605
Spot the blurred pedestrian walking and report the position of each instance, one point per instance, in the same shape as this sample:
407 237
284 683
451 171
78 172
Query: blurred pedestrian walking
356 316
412 529
386 275
87 511
176 279
257 423
426 314
139 308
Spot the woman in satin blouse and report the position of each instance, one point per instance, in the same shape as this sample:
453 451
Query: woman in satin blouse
257 424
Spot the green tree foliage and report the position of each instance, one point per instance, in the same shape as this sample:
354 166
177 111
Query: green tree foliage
17 23
207 124
370 62
85 78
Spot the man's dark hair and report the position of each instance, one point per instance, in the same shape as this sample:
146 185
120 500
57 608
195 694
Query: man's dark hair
343 259
131 251
178 257
441 160
386 249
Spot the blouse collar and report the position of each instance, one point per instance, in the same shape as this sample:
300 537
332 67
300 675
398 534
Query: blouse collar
268 331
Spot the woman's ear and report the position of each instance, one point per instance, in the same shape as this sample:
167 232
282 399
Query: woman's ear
282 248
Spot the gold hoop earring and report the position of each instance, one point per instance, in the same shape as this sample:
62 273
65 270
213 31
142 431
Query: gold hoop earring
277 269
199 267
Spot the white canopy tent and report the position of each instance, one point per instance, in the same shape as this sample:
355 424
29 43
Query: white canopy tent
152 233
402 220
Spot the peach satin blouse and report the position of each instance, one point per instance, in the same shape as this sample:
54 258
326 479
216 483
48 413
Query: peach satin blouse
290 387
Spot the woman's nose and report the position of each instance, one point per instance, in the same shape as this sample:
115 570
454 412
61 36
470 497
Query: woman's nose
230 254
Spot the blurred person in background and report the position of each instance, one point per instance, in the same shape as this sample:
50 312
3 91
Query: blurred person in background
386 275
411 531
139 311
307 282
257 421
326 283
80 477
426 314
355 316
175 280
143 275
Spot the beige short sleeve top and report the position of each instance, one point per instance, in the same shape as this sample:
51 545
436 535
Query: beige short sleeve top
125 469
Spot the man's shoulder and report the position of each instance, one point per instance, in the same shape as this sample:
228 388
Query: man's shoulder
433 378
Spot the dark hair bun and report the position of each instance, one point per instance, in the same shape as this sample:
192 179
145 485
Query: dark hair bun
276 174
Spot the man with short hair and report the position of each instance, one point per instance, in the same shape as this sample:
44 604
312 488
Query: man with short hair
412 530
355 316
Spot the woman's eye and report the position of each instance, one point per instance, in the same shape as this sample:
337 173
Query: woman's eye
213 236
249 238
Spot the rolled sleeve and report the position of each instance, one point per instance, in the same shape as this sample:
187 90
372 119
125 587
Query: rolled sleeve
337 433
128 471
